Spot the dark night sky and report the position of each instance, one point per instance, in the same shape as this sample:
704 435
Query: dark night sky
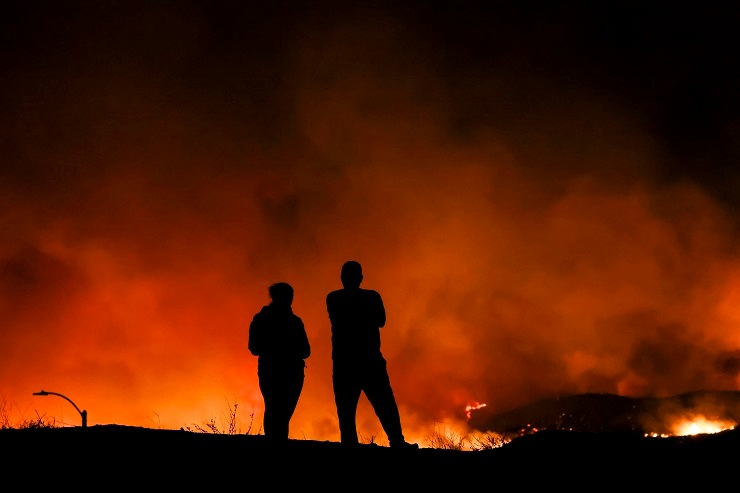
672 70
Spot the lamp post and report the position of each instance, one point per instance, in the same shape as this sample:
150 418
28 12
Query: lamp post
83 413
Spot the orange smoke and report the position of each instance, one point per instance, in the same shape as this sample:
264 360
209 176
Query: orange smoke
526 253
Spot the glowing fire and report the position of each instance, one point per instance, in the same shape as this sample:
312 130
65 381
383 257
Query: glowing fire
696 425
472 407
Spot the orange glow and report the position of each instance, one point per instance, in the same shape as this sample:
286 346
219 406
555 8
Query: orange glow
700 424
696 425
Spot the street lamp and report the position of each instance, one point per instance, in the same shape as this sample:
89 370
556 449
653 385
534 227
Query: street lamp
83 413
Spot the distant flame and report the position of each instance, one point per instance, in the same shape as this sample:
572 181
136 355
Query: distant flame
472 407
697 425
701 424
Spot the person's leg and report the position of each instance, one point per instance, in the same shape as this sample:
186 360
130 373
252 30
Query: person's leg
280 414
346 396
271 399
292 392
294 389
379 393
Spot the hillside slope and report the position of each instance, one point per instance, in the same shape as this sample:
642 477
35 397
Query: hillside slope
106 456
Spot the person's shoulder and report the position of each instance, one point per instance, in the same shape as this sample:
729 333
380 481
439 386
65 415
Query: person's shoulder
334 294
260 315
261 311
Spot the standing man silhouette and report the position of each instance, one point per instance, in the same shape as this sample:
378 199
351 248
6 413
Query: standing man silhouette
278 338
356 316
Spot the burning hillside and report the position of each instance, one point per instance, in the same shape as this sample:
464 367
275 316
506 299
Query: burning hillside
684 414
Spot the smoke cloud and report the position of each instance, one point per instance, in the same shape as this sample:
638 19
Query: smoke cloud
531 226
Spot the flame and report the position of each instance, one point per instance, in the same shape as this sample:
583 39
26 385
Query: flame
701 424
472 407
696 425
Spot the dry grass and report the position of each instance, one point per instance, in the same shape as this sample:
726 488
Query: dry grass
445 439
40 421
229 424
488 441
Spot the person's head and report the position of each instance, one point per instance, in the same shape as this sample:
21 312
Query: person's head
281 293
351 274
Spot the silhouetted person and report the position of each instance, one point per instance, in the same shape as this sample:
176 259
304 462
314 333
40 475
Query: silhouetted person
278 338
356 317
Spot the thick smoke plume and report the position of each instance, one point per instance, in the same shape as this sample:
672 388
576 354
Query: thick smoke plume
513 202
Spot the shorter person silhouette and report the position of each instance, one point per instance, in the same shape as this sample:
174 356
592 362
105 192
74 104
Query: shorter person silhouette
356 316
278 338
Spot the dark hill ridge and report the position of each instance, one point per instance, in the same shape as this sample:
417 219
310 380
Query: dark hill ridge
106 457
609 413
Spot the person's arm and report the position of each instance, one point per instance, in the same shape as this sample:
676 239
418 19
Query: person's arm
303 345
330 308
379 310
255 344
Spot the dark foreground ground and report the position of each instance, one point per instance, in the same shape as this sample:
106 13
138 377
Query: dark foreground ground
107 457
